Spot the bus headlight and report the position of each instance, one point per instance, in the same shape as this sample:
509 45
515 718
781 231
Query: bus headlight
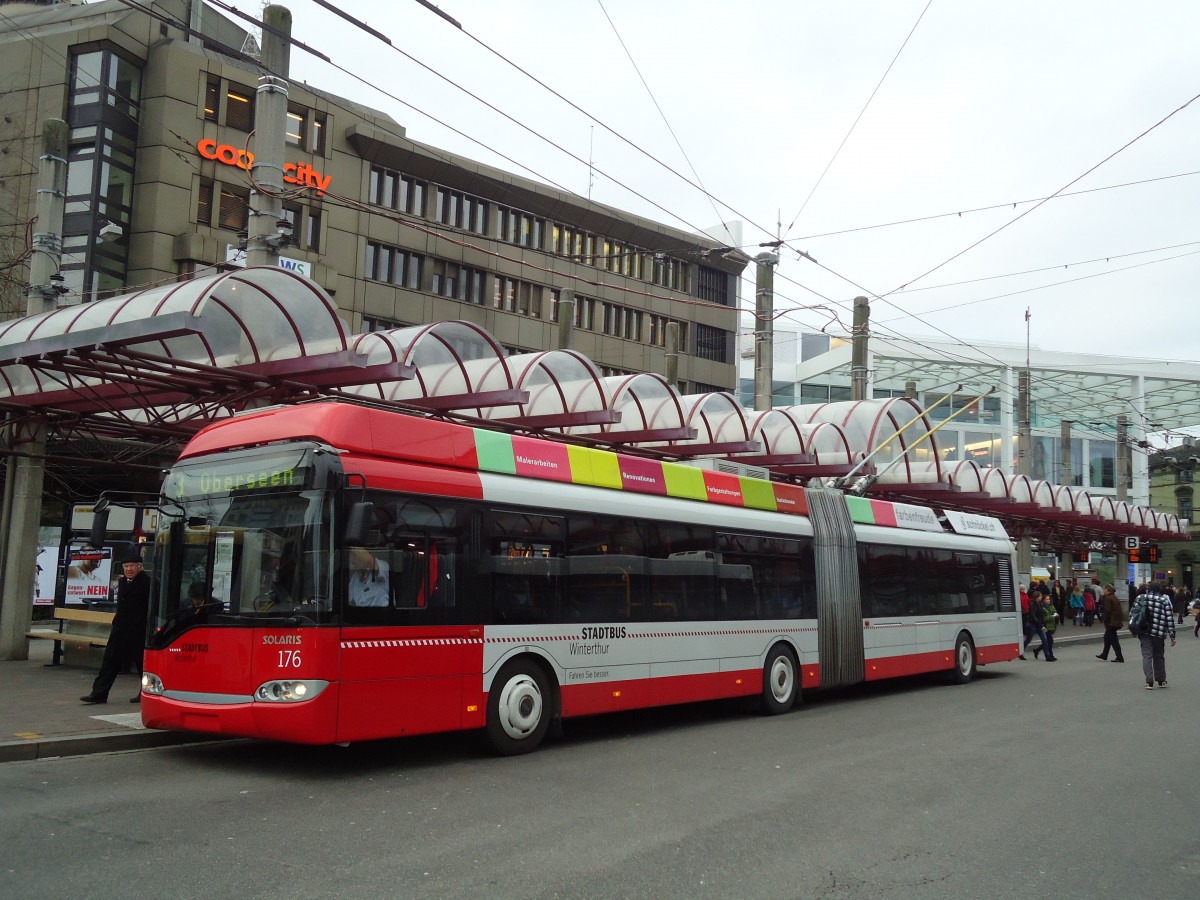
151 683
289 691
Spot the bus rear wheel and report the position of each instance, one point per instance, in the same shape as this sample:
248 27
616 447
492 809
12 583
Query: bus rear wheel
964 659
780 681
518 709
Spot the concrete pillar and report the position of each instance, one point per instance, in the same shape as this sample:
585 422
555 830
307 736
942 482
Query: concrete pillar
566 320
270 130
672 360
860 334
764 330
16 593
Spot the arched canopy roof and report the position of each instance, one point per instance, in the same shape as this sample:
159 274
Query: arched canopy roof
565 388
720 424
647 408
223 342
456 366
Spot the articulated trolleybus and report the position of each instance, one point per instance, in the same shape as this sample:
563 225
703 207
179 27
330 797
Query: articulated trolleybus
330 572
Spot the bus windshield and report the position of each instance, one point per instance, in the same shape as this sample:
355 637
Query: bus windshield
244 539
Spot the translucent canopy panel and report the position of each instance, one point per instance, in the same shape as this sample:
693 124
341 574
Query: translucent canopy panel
719 421
1069 499
1103 507
648 410
1123 512
564 388
241 318
828 444
996 483
457 365
870 423
779 431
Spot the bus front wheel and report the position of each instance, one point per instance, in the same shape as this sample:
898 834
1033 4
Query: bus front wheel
518 709
780 681
964 660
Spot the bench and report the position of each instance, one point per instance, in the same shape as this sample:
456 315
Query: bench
86 627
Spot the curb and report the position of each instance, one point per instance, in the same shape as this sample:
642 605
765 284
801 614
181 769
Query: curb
105 742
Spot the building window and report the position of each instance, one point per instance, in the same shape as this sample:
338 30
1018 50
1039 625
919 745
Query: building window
520 228
102 110
458 282
713 286
523 297
396 191
239 107
555 297
459 210
371 323
621 321
712 343
306 129
306 226
204 209
585 313
212 98
393 265
234 208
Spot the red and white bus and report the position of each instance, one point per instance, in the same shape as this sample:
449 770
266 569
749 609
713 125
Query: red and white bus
330 573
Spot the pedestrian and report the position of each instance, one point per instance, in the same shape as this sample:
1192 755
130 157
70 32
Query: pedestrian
1049 625
1112 619
1195 611
1076 604
127 640
1026 624
1037 620
1160 623
1089 605
1059 594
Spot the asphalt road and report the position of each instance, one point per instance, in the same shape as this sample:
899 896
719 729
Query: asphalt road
1039 779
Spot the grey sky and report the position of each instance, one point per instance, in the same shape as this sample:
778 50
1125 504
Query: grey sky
988 104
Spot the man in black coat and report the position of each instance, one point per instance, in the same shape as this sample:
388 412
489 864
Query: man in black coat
127 640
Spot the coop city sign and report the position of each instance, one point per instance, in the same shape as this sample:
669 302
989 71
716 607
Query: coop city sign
293 173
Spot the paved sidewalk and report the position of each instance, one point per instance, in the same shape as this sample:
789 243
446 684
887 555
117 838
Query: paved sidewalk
42 717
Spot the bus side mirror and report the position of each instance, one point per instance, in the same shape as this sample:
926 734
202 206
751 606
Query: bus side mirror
359 523
99 527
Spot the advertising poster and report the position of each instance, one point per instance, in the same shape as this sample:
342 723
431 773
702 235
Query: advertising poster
89 576
47 569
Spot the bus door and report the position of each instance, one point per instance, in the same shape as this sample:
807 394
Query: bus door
406 650
891 632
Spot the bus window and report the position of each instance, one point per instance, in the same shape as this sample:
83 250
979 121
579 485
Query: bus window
406 573
683 583
525 558
606 570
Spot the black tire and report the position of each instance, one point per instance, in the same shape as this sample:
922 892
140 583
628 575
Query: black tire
964 659
781 680
519 708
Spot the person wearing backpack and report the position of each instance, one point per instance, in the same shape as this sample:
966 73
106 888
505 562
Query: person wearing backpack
1089 605
1194 609
1158 624
1110 615
1076 604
